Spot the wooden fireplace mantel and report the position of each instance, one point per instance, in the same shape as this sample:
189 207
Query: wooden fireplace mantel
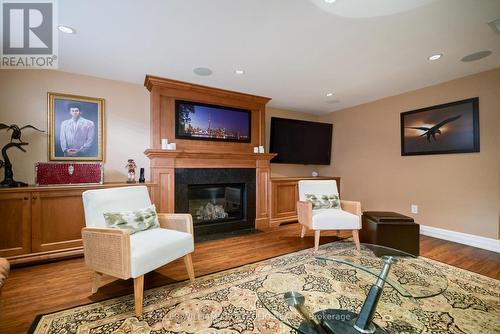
164 163
187 159
204 153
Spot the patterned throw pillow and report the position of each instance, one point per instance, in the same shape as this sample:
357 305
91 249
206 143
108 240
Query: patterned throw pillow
323 201
134 221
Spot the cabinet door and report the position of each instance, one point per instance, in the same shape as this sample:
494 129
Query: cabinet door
58 219
15 224
284 199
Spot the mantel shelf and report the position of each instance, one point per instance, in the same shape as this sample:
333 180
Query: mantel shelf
156 153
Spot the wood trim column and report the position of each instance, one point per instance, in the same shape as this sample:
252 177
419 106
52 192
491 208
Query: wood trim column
262 181
163 176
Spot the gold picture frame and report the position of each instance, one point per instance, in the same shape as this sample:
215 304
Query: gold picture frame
76 127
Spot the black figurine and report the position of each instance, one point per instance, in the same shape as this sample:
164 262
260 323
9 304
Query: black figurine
141 176
8 180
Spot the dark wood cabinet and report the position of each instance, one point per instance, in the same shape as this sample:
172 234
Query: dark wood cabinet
284 197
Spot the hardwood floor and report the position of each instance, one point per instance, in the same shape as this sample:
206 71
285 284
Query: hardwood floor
59 285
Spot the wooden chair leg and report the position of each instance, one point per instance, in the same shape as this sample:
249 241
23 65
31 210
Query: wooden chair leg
96 281
303 232
138 294
189 266
355 235
316 239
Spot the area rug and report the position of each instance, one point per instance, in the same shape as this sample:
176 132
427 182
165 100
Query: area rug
239 300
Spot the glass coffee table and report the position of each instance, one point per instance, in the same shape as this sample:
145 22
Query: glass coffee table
342 290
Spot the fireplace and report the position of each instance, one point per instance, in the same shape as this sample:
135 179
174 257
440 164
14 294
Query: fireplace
214 203
220 200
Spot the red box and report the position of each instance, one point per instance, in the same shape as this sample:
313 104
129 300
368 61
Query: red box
68 173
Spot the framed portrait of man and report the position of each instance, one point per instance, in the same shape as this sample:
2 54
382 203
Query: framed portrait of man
76 128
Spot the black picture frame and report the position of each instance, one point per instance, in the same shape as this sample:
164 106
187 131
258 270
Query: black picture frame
180 135
441 129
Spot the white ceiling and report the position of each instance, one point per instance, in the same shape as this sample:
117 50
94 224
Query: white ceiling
294 51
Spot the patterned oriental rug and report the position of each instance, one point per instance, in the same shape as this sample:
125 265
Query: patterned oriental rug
233 301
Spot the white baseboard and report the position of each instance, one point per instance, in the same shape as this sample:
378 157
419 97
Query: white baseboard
462 238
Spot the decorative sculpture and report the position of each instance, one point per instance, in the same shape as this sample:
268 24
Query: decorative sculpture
142 179
8 180
131 166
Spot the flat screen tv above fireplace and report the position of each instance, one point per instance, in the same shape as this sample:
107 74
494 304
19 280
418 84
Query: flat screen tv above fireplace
202 121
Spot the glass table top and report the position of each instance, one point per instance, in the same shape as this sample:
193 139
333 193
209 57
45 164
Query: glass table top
339 287
409 275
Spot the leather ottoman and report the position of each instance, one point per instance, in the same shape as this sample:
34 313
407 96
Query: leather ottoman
392 230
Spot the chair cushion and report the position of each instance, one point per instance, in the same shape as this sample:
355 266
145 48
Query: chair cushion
134 221
154 248
98 201
316 187
335 219
331 201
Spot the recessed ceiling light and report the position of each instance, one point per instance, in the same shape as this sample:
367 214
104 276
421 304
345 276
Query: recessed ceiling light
476 56
330 1
239 71
66 29
203 71
329 94
436 56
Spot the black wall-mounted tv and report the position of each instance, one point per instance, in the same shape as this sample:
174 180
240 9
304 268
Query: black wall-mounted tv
202 121
300 142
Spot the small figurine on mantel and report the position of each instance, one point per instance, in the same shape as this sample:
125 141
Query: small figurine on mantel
131 166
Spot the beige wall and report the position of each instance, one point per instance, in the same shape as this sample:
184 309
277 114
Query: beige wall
458 192
279 170
23 100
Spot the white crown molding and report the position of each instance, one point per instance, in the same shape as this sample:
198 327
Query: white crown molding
462 238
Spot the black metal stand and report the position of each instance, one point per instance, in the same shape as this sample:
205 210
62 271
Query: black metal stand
336 322
343 321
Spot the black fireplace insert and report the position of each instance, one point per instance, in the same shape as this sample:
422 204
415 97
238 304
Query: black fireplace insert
220 200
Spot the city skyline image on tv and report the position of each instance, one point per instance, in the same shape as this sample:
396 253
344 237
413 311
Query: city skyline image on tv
210 122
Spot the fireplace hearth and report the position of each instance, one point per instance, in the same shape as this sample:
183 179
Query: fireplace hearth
220 200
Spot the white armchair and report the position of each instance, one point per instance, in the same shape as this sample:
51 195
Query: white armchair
348 217
118 253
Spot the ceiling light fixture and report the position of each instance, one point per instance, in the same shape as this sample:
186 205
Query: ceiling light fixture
66 29
476 56
203 71
330 1
436 56
239 71
329 94
333 101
